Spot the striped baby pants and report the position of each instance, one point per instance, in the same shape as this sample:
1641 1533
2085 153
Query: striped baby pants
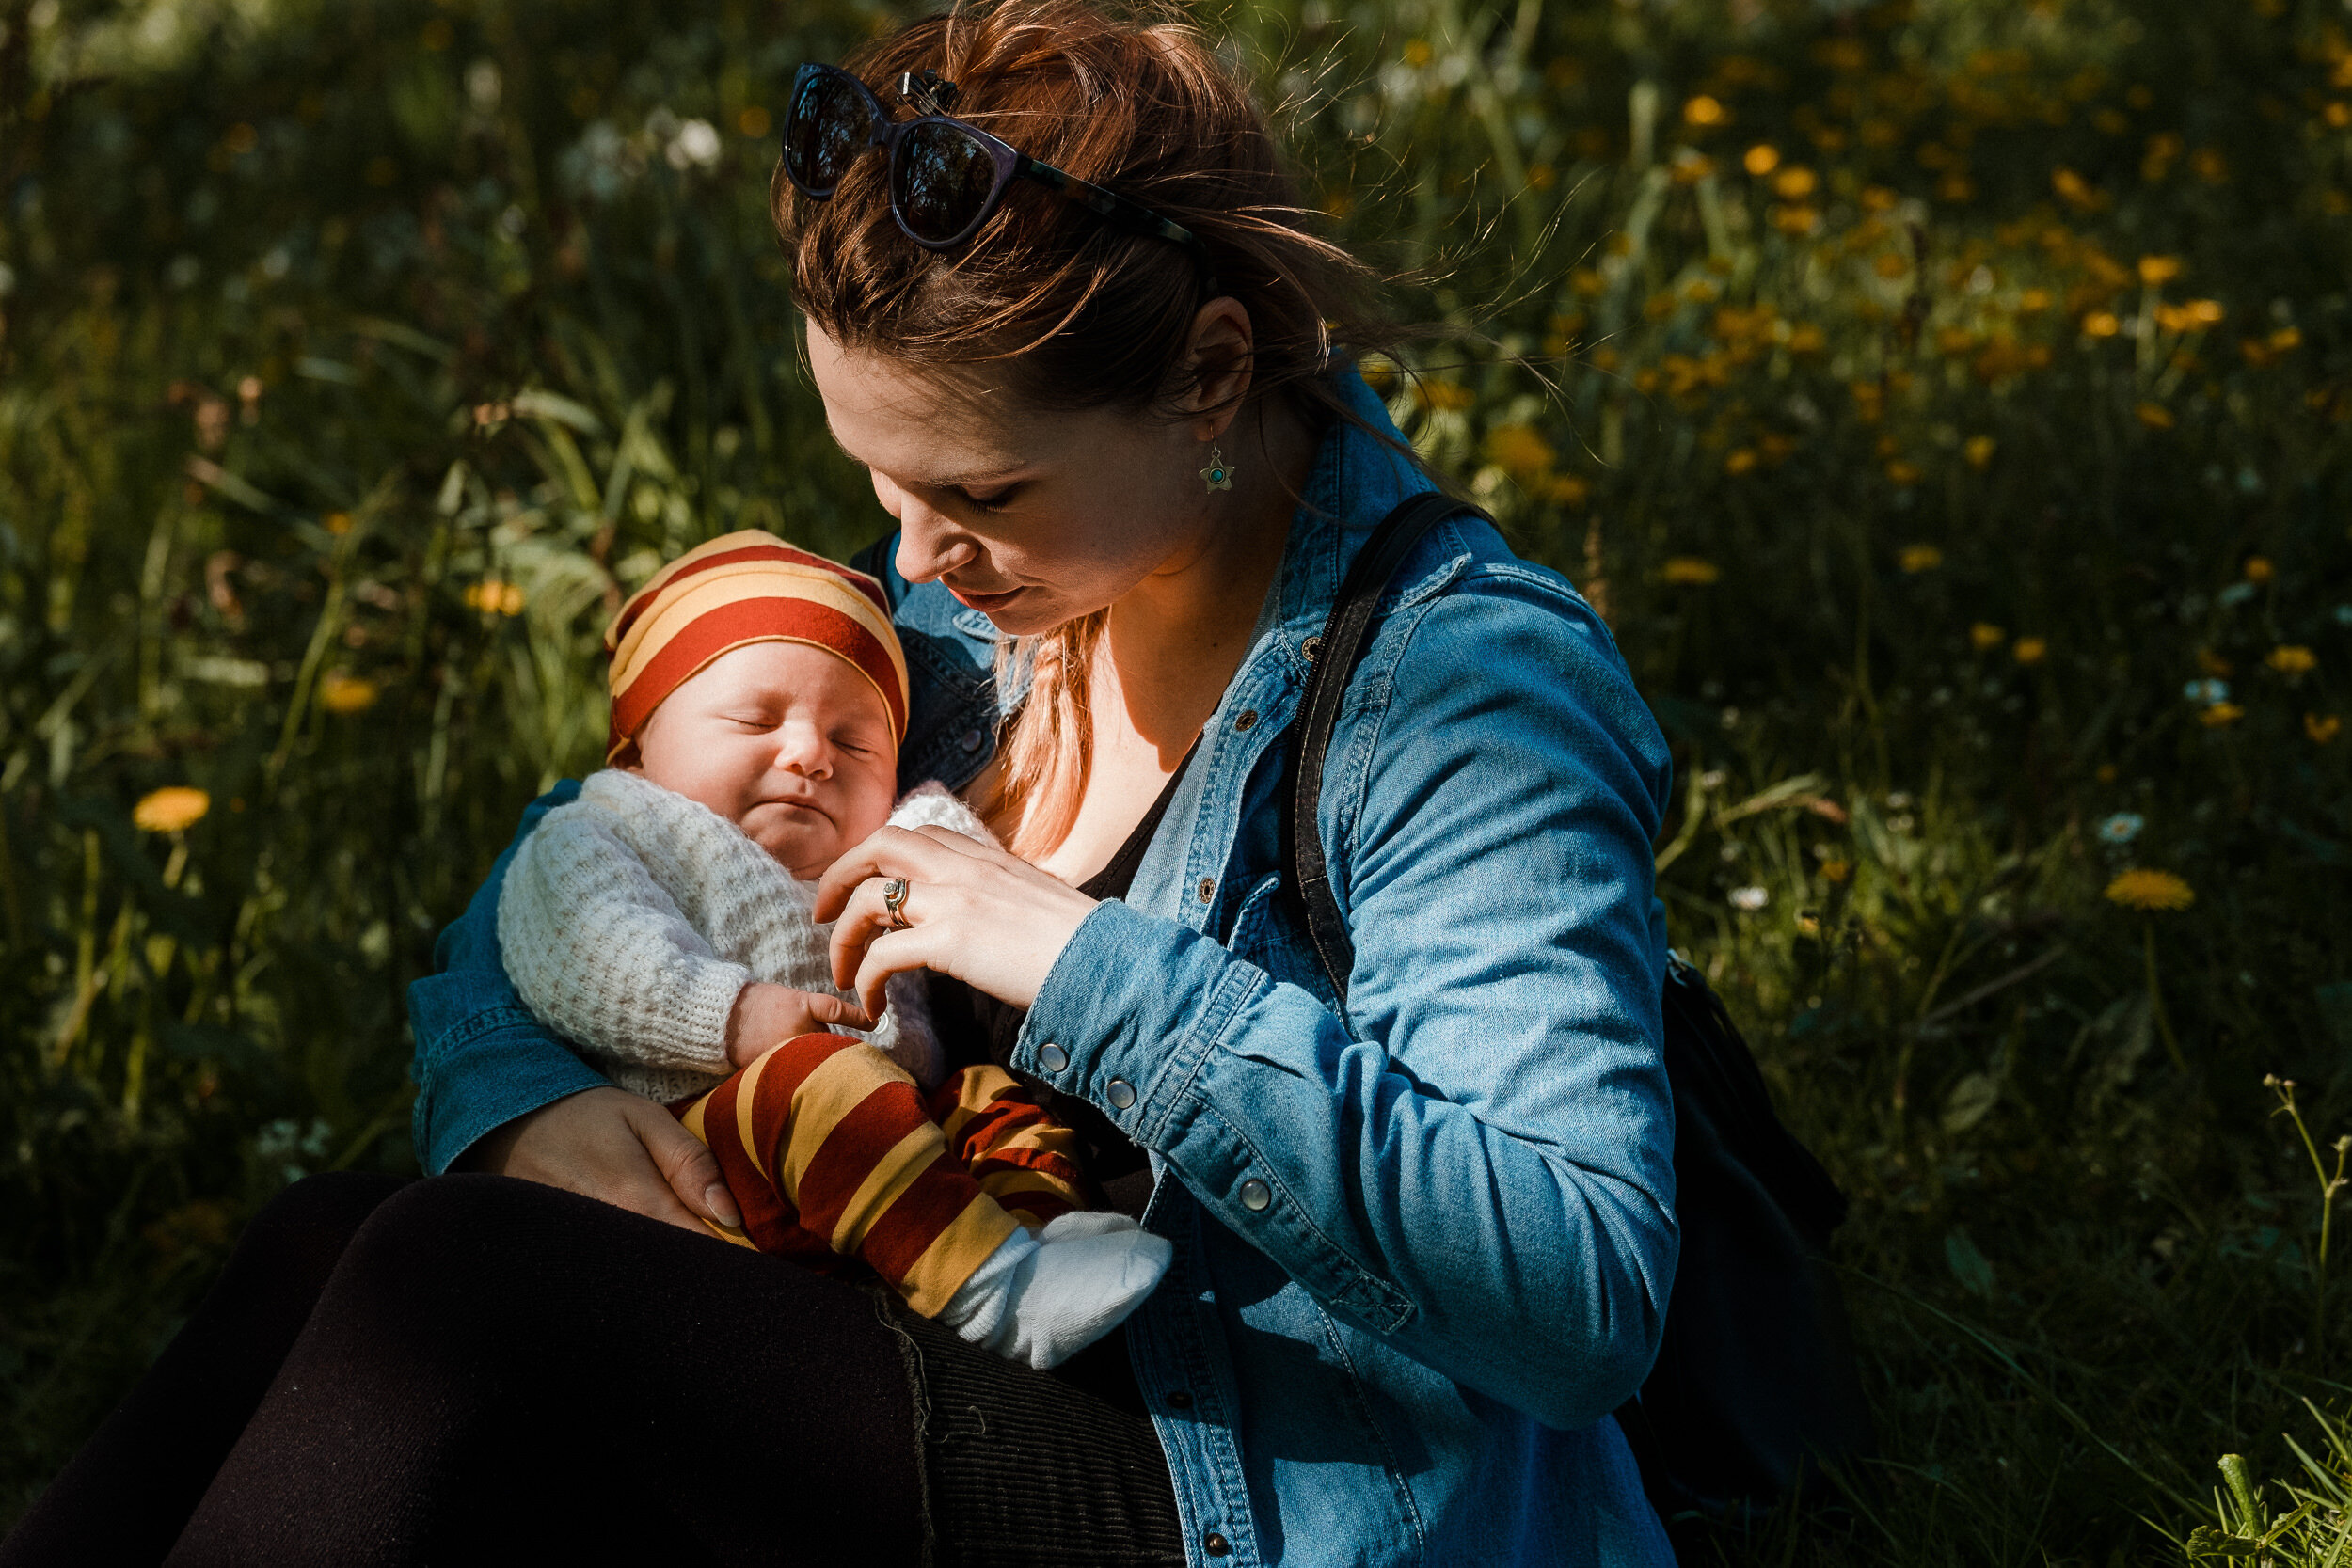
834 1152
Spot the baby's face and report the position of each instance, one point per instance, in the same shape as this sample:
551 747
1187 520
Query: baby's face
787 742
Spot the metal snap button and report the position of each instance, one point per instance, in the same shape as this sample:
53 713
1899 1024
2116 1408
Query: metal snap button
1216 1545
1310 647
1120 1093
1207 889
1053 1058
1245 720
1256 1194
970 741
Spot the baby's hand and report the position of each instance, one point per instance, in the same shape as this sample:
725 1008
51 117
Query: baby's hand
767 1015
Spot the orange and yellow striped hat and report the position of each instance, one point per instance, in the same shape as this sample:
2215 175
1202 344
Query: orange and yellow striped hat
741 588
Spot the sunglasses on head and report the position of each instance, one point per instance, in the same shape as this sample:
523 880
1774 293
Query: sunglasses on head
947 177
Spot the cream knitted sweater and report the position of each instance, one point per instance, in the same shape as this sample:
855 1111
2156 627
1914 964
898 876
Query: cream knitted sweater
633 917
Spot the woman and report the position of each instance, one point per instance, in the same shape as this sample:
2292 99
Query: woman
1422 1239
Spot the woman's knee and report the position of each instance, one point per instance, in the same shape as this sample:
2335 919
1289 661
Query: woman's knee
304 1230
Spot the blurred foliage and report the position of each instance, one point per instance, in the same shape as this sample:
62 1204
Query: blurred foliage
1944 401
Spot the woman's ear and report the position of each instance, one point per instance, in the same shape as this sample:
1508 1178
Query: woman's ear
1218 359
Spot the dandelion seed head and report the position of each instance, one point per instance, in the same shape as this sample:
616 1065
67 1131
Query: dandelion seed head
2122 828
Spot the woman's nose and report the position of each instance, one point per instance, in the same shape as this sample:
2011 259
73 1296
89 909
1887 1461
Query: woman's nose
929 544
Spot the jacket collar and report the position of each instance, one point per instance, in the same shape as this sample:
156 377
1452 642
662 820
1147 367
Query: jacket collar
1356 481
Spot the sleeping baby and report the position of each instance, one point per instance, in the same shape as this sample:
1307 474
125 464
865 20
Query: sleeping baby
663 922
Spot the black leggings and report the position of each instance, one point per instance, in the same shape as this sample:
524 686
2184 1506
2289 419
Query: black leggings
472 1368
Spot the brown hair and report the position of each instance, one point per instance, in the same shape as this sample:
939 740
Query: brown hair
1077 312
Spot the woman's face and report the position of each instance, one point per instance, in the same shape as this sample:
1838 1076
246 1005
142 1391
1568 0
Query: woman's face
1032 518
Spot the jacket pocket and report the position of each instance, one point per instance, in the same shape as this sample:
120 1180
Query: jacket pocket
1266 933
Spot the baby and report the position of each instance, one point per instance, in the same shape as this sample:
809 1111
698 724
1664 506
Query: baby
663 922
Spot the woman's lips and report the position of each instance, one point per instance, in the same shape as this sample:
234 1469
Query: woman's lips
983 602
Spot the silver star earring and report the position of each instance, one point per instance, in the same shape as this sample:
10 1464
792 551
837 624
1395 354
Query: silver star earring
1216 476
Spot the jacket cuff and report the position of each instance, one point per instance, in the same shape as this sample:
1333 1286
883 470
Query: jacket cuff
509 1071
1131 1011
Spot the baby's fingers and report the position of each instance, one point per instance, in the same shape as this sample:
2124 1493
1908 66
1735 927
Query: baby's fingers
835 1013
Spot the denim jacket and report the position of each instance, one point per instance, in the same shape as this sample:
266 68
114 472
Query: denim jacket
1423 1240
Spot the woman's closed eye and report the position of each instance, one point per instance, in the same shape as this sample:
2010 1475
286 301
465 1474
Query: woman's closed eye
983 497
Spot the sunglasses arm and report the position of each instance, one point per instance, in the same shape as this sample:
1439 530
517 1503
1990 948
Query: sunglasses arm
1112 208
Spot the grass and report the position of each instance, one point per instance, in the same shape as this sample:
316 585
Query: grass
1945 402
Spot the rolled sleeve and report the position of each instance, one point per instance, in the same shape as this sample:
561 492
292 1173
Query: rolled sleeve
482 1058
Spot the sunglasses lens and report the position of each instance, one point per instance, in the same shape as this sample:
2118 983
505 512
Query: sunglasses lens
828 125
940 182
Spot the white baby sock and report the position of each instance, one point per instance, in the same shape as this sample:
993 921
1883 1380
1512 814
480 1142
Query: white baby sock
1042 1299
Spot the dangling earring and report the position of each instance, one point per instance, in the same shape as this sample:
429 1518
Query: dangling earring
1216 476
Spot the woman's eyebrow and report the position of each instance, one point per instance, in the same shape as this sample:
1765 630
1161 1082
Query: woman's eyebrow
950 481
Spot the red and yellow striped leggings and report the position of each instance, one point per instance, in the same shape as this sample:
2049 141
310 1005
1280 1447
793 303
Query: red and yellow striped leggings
833 1152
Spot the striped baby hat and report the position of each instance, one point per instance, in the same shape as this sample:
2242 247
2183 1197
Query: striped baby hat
739 588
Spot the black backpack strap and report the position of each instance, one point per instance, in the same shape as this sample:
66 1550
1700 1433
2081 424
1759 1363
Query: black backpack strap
1332 658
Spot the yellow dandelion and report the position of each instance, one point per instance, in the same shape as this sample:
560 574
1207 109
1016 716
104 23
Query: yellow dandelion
2142 889
2322 727
1740 462
2291 659
2204 312
1908 473
2258 569
1796 182
1890 264
2029 650
1807 339
346 693
1916 558
1419 54
2158 269
338 523
1837 871
2155 416
1704 111
1761 159
2033 301
2075 190
1518 451
2102 324
1978 449
1568 489
1451 396
1690 571
2219 715
1985 637
170 809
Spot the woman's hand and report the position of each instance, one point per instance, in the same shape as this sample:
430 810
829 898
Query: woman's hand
616 1147
972 910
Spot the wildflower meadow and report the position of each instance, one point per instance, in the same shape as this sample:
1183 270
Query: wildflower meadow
1946 402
